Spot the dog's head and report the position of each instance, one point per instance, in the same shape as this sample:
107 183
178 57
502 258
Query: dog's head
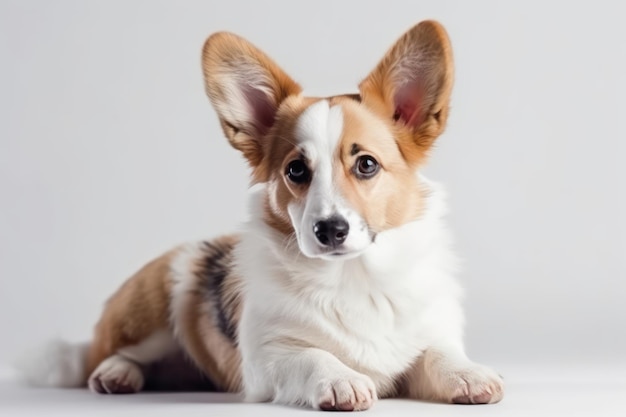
338 170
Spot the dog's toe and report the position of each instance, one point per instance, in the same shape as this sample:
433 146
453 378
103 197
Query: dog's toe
476 385
354 393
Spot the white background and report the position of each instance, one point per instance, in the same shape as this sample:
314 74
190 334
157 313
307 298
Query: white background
110 154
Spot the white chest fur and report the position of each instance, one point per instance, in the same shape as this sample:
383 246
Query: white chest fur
376 313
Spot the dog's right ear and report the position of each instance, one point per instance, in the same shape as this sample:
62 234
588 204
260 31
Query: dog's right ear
411 85
246 88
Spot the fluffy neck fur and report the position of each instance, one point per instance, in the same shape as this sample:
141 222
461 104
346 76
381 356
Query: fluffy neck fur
376 312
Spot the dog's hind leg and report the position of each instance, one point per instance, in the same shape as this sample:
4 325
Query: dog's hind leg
122 372
133 331
187 303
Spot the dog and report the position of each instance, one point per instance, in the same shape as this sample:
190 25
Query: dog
340 288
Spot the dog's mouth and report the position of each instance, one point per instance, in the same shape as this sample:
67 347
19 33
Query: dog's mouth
339 254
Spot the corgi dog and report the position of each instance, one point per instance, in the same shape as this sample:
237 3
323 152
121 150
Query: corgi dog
339 289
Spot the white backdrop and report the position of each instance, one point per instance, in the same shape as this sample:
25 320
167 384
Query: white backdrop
110 154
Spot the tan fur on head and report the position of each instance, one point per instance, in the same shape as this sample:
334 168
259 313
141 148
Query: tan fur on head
393 197
407 94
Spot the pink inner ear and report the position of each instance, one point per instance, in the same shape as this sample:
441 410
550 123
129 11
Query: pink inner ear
409 101
263 109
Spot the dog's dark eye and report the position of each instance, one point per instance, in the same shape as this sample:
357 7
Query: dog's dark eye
366 167
298 172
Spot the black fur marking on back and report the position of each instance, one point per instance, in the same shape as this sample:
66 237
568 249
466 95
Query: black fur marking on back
214 269
355 97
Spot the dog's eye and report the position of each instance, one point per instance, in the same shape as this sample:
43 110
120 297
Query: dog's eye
298 172
366 167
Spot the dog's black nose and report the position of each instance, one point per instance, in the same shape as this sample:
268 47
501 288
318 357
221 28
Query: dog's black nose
331 232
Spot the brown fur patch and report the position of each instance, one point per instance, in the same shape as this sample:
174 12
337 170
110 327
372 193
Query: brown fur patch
142 306
138 308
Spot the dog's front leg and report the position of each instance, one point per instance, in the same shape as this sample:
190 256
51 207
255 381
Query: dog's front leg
315 378
447 374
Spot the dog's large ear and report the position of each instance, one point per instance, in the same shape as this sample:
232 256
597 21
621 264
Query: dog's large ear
411 86
245 87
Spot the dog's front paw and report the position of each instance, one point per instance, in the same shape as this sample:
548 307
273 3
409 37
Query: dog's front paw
474 385
351 393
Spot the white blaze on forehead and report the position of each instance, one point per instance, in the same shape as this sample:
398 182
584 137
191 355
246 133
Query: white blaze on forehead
318 131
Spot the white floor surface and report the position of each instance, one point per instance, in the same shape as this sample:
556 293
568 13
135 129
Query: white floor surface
583 391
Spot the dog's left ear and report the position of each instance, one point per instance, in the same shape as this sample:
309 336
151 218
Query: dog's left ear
411 86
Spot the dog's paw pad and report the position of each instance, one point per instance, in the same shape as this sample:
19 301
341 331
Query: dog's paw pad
476 385
354 393
116 375
111 386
